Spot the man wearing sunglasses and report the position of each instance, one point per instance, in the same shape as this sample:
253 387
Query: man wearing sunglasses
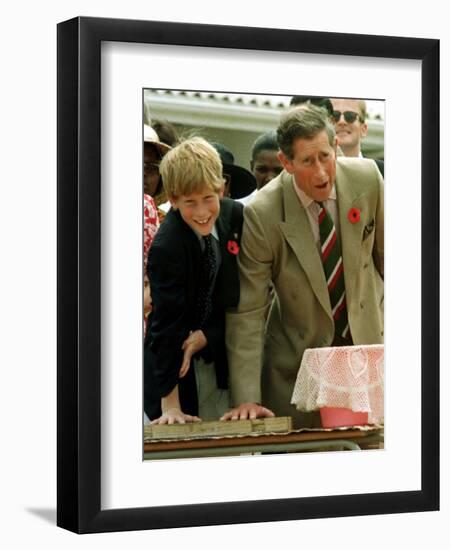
349 119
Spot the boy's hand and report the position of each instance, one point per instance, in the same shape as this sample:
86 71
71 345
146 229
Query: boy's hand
175 416
247 411
193 343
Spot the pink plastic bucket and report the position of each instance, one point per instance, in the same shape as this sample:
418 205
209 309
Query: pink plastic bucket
335 417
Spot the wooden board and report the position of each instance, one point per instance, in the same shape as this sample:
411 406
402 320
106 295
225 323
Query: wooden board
319 435
280 424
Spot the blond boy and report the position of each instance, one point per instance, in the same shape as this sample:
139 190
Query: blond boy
193 275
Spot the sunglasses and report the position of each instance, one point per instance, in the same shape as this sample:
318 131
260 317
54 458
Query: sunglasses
349 116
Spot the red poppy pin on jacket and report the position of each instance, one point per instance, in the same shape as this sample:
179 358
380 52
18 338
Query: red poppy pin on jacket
354 215
233 247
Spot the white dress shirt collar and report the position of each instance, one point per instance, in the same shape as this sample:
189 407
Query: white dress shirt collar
305 199
312 210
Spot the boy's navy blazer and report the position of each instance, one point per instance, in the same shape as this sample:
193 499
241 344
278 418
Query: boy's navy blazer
174 263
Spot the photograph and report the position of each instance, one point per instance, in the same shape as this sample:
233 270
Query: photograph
263 273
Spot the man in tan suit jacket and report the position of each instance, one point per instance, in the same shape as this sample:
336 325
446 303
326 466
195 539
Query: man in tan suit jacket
266 335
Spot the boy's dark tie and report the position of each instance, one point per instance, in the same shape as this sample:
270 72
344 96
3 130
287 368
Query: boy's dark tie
334 271
207 276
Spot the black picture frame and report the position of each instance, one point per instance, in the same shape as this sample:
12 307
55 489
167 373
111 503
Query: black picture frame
79 275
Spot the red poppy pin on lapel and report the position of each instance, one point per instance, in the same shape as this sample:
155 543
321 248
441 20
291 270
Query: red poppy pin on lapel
233 247
354 215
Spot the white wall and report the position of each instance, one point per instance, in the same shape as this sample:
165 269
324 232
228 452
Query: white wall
28 272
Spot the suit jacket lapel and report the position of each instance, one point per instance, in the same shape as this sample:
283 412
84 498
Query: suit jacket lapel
225 275
223 230
174 216
297 232
351 233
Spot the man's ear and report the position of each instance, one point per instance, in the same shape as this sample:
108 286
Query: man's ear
221 191
285 162
364 129
173 202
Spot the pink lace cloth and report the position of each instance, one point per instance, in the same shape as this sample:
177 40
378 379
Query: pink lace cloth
350 376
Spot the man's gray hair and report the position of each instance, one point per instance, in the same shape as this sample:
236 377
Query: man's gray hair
303 122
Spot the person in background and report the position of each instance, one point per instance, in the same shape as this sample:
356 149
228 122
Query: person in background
320 219
323 102
239 182
166 131
192 268
151 224
349 119
264 164
154 151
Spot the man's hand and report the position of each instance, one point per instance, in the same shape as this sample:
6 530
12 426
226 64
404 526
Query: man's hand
247 411
193 343
175 416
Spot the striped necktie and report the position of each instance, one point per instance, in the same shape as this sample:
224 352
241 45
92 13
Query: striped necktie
207 275
334 271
